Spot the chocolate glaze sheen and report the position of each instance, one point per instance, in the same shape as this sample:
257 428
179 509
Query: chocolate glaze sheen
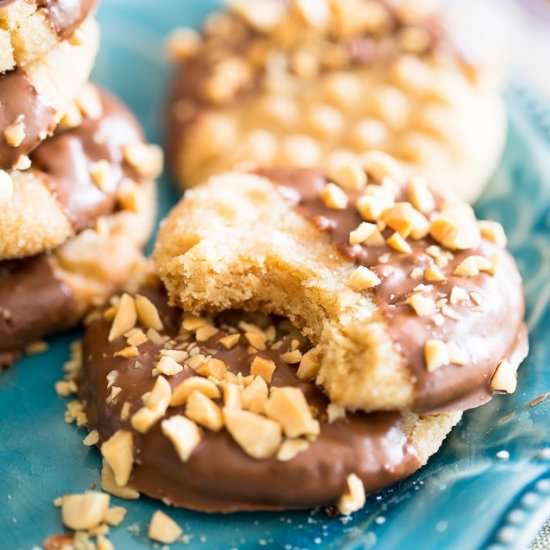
33 302
66 158
65 16
488 333
220 476
20 101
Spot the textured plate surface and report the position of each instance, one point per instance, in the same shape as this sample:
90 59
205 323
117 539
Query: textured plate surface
467 497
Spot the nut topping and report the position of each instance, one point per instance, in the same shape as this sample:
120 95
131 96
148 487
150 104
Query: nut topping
147 313
363 278
164 529
125 318
263 367
334 197
183 433
204 411
254 396
505 378
258 436
289 407
118 452
354 498
195 383
436 354
84 511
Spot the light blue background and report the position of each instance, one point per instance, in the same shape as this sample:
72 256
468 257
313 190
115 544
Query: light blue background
466 498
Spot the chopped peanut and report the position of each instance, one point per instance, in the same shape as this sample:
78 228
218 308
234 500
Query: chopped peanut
125 318
354 498
494 232
398 243
163 529
109 485
334 197
433 274
230 341
14 134
363 278
156 404
118 452
422 305
309 366
292 357
183 433
84 511
420 195
254 396
472 266
504 379
291 448
147 313
263 367
258 436
289 407
213 367
204 411
195 383
436 354
362 233
167 366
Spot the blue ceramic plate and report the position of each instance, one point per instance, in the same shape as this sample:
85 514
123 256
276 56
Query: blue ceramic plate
466 498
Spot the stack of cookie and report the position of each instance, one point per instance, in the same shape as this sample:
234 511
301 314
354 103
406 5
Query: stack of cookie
76 179
315 330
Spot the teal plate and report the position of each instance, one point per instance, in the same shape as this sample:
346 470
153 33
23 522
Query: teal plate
470 496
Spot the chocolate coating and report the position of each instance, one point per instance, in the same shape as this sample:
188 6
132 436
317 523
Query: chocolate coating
20 102
488 333
219 476
66 158
34 302
65 16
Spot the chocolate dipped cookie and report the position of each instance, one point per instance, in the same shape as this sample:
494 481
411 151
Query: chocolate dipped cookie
211 414
294 83
29 29
34 98
76 222
411 303
96 161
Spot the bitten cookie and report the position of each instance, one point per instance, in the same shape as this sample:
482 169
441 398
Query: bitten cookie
410 301
209 414
34 99
51 292
77 176
291 83
31 28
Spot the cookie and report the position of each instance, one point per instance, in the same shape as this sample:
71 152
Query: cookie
30 29
77 176
34 99
292 83
209 414
410 301
51 292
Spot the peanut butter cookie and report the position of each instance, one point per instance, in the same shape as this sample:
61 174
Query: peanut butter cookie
33 99
210 414
95 163
292 83
29 29
51 292
410 301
